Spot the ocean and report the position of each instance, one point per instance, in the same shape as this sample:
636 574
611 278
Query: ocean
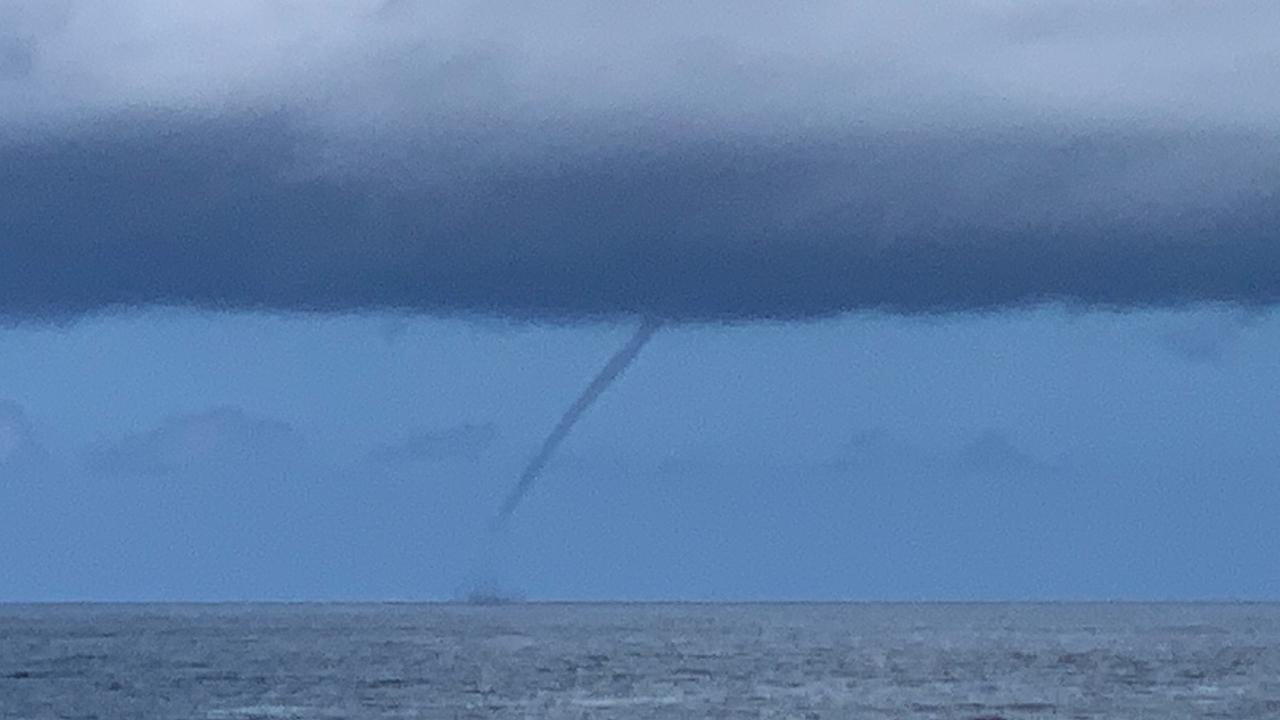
650 661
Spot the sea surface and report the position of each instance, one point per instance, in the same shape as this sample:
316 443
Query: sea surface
961 661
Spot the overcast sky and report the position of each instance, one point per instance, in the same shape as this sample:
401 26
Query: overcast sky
965 300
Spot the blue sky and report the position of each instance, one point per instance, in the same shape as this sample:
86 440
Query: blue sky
1042 454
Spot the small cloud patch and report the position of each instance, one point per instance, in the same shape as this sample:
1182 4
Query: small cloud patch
1207 338
217 437
990 454
464 442
18 442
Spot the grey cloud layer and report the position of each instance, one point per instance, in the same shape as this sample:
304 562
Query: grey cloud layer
729 162
365 62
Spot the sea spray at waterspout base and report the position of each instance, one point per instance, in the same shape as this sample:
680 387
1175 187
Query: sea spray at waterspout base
490 581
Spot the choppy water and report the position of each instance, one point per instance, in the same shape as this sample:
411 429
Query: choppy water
640 661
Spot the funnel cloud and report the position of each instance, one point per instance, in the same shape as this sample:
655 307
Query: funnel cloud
721 161
612 369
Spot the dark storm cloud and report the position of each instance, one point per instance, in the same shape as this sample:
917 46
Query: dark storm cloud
215 438
721 163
